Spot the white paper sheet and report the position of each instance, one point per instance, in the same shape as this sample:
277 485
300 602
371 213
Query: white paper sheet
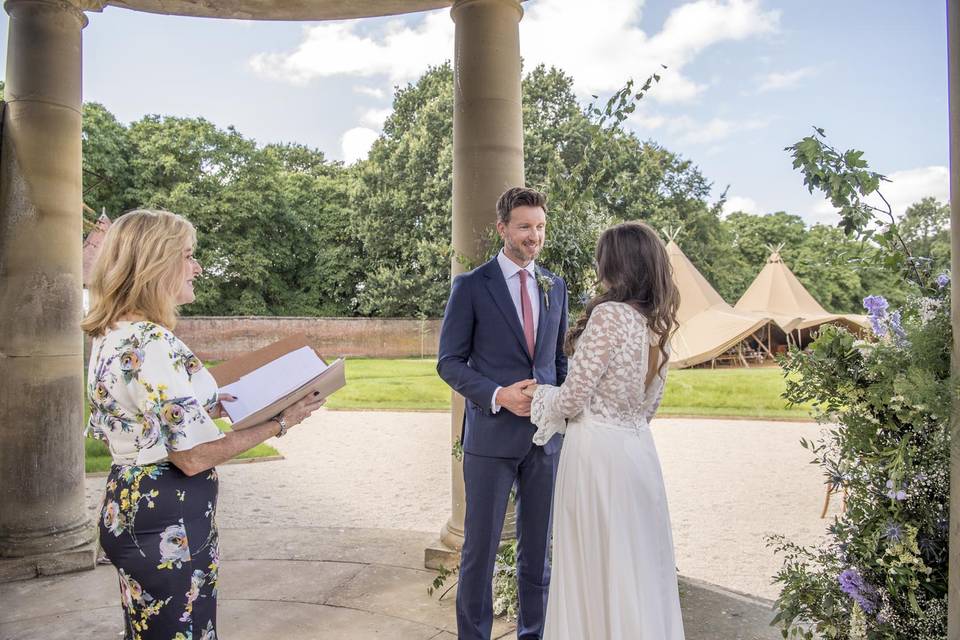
264 386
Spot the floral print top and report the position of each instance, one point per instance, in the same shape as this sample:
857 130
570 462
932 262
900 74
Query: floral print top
148 394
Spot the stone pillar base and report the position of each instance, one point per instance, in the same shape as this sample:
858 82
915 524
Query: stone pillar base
80 558
439 555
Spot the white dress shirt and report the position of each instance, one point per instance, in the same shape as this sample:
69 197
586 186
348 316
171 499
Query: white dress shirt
511 273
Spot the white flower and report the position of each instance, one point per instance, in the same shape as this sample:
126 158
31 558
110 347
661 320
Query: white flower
111 518
209 633
130 591
928 308
173 545
863 347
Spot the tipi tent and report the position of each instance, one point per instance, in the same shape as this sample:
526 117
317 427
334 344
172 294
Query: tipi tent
708 325
777 293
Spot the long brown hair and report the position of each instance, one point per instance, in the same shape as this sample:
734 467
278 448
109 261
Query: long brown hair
632 264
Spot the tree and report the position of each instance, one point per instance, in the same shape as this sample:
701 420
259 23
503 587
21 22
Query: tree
925 228
402 202
106 161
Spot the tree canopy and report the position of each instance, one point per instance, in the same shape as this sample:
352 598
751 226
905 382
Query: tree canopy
285 231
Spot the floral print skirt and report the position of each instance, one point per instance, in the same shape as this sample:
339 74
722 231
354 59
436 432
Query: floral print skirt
157 527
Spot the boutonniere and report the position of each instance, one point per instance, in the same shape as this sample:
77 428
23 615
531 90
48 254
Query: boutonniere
545 283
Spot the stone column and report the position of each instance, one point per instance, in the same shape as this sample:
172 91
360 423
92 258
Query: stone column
44 527
953 72
487 160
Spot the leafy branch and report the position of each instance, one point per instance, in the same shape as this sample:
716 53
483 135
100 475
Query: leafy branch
846 181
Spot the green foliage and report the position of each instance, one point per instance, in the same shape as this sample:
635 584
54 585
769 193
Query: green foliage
506 598
270 221
106 161
845 179
593 171
882 572
925 227
282 231
838 270
442 575
402 203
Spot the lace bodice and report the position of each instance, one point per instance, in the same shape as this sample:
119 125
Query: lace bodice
607 372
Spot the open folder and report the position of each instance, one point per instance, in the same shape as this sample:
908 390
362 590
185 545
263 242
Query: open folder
269 380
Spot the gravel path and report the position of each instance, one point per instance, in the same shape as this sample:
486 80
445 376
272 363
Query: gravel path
729 483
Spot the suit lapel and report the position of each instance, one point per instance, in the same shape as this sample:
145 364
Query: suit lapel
545 313
497 286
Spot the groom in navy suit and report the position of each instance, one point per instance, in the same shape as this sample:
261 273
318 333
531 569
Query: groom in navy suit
503 330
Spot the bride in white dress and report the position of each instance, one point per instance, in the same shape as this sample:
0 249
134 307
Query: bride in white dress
614 575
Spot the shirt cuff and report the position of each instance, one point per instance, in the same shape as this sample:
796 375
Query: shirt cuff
494 407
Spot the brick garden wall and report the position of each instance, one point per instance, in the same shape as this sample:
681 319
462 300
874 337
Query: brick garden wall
222 338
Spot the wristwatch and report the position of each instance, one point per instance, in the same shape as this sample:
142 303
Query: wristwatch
283 425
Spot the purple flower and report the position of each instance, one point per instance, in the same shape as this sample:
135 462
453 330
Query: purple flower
894 532
897 327
943 280
876 305
853 584
895 492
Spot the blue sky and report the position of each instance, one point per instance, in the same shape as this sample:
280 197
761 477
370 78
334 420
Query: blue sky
746 78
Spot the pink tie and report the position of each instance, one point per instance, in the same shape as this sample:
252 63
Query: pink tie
527 311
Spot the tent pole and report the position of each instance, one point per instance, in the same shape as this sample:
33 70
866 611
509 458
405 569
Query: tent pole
760 341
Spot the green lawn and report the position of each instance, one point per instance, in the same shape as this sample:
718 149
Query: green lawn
392 384
741 393
414 384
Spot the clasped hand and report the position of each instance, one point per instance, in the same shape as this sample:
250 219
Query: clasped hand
516 398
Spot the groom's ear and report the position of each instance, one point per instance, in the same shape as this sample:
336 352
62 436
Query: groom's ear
501 228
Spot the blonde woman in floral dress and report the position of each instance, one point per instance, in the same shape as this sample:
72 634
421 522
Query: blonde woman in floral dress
153 402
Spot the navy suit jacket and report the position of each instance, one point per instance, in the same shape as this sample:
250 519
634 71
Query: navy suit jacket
482 347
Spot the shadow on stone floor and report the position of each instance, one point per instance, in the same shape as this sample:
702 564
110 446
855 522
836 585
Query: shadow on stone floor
312 583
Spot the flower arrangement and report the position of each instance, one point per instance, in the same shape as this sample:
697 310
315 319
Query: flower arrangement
882 572
545 282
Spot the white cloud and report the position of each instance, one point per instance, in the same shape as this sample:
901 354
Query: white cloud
687 130
375 117
599 44
373 92
642 121
356 143
740 203
784 80
398 51
718 129
904 189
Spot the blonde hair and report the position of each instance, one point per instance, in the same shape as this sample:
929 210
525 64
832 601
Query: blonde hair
139 270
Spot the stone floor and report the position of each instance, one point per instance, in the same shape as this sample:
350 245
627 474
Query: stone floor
305 583
729 484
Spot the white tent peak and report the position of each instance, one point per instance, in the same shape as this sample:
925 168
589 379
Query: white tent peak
708 325
777 293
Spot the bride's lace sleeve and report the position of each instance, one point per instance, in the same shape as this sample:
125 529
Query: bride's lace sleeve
654 398
653 394
604 334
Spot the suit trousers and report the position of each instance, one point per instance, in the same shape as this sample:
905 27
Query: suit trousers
488 482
